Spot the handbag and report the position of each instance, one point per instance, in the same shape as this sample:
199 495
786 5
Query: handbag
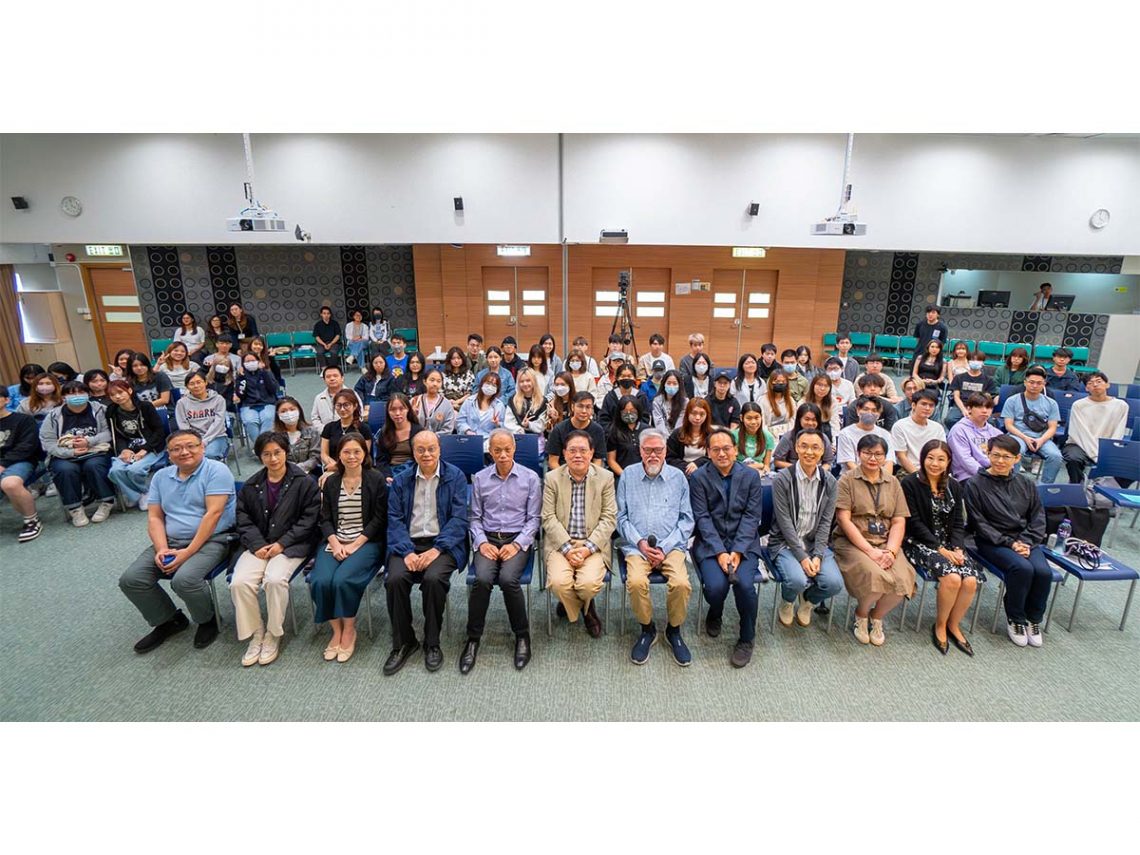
1089 524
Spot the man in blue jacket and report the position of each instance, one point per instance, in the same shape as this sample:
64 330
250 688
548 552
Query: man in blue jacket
727 499
427 542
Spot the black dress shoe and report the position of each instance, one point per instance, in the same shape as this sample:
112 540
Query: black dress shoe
161 632
961 643
560 610
433 658
206 633
522 651
741 654
399 656
712 627
942 646
467 660
592 621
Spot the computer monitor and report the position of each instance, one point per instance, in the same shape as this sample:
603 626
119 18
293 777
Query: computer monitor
1061 302
993 299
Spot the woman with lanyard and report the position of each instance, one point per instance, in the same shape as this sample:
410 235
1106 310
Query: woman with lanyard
526 408
432 409
871 513
138 437
777 404
748 387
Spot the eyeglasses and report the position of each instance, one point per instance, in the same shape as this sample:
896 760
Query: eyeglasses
999 455
873 455
652 452
344 405
575 452
183 449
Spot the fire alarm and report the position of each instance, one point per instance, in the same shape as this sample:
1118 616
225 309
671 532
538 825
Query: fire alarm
70 257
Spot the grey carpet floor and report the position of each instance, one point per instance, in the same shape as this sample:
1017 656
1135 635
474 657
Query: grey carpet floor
66 634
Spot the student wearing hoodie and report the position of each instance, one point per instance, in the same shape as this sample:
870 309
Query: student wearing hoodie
1008 522
970 437
203 410
77 440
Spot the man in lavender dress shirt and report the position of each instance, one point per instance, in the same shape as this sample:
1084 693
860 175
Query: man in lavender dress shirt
506 508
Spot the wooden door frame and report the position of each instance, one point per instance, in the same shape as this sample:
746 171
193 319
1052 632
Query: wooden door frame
93 305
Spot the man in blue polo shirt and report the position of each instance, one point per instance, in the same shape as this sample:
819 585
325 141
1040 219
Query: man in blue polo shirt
190 519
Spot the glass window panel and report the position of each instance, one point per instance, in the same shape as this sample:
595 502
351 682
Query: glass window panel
123 317
125 300
651 311
651 297
606 296
499 295
757 313
532 309
538 296
724 313
498 310
724 298
759 298
605 311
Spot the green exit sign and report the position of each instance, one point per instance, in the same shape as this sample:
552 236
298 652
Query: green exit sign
104 249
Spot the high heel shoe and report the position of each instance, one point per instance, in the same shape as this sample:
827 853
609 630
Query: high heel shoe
345 653
941 645
962 644
331 652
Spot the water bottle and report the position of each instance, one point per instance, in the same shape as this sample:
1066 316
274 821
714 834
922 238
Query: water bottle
1063 531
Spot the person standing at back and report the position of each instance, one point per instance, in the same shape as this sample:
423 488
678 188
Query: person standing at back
1041 298
931 329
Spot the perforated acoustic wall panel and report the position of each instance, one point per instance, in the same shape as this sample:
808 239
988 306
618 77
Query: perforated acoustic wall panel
283 287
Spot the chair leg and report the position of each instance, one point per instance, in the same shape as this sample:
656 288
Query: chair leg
847 619
997 605
1052 603
977 608
368 608
1127 605
1076 602
830 613
623 610
214 599
775 606
921 605
292 609
607 605
902 614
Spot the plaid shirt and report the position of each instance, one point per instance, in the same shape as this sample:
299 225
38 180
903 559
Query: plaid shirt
576 527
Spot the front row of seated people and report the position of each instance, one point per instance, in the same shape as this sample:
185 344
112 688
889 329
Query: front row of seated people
865 532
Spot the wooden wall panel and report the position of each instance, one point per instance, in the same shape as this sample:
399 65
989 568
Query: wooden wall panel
429 291
808 284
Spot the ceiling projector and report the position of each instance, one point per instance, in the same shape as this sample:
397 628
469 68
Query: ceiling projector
256 220
839 227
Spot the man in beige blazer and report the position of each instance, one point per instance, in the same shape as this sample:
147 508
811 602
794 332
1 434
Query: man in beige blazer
579 513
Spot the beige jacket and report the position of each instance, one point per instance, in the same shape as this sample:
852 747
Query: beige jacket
601 509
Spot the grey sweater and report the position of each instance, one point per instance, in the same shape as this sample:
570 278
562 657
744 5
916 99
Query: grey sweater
783 534
208 417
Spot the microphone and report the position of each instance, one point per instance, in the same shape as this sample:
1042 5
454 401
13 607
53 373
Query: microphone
732 572
652 541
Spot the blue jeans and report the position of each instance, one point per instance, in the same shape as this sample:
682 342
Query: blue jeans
26 472
1051 454
826 584
359 351
218 448
257 420
70 475
714 584
131 478
1027 581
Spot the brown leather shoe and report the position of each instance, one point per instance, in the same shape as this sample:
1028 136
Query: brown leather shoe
593 622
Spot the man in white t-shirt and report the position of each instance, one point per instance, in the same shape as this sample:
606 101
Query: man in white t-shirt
909 435
1092 419
842 390
656 351
868 409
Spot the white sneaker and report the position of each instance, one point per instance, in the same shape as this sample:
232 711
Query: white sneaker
861 634
803 611
878 637
79 517
102 512
1017 633
1034 635
270 647
50 490
786 611
254 650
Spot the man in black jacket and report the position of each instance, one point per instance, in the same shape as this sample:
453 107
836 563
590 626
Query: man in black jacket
1008 522
725 407
20 456
930 329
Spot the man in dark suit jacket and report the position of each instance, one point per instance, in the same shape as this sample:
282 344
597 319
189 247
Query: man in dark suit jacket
727 499
427 542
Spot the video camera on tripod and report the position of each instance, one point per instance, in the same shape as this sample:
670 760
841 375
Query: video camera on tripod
623 321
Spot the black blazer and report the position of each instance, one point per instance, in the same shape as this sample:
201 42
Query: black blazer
374 507
920 523
293 522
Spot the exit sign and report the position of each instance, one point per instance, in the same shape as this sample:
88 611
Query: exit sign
104 249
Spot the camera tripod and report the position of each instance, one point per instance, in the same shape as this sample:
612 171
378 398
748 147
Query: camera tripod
623 320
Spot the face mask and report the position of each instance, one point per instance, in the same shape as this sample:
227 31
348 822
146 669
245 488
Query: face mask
867 418
835 374
252 366
76 400
629 418
489 389
575 366
377 319
45 390
701 369
779 387
222 367
789 367
975 366
671 390
289 417
561 390
626 383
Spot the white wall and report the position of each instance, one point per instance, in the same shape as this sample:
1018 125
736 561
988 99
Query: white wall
342 188
953 193
1011 194
1120 354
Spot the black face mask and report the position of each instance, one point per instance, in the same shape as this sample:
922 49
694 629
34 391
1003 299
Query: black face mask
626 383
779 387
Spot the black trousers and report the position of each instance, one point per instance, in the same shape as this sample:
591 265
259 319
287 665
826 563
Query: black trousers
434 581
507 574
1077 463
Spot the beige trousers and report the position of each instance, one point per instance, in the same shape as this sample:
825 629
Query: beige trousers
575 588
678 587
250 573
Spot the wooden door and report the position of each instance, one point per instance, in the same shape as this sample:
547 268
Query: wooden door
114 303
723 343
498 304
648 305
531 306
757 307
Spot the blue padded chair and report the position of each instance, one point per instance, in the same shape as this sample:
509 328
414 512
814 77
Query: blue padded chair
1057 580
764 572
1110 569
225 566
1005 394
1065 401
462 450
528 455
1119 458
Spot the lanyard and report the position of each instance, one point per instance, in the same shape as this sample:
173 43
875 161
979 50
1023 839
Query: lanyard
875 494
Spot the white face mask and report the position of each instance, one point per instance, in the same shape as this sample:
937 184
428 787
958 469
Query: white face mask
671 390
575 365
789 367
701 369
222 367
835 374
975 366
289 417
561 390
252 366
488 389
